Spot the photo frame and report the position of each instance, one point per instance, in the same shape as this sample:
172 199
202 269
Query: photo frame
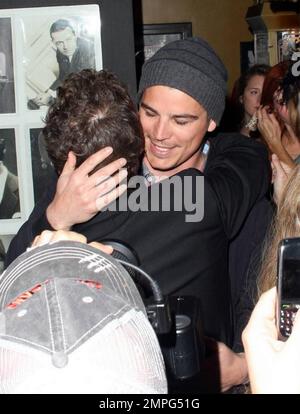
288 42
48 43
247 56
151 37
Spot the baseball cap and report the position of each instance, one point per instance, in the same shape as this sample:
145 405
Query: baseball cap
72 321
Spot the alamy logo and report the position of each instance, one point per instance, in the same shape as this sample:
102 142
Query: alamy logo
185 194
296 66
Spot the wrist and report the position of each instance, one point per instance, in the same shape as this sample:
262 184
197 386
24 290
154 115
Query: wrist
54 219
243 368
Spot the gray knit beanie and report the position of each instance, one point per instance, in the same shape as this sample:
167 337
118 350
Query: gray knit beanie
193 67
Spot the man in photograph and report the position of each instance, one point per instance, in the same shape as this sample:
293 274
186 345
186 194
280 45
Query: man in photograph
73 54
9 189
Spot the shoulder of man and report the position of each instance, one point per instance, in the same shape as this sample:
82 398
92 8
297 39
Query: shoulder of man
234 140
239 149
238 172
84 43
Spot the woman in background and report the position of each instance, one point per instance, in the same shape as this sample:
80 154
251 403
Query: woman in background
246 97
277 119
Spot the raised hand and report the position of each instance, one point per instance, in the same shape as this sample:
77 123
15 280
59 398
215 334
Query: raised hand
271 132
80 196
273 365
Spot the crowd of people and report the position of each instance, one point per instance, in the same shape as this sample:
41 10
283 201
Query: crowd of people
98 142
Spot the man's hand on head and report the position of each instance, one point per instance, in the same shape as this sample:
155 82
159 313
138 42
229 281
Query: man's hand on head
80 196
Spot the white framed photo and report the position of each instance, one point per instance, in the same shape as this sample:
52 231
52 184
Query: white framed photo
39 48
55 44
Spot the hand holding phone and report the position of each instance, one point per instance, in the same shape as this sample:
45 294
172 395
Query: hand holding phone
288 285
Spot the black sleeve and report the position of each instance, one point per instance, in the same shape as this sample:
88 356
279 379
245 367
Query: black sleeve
245 253
238 171
247 301
36 223
249 239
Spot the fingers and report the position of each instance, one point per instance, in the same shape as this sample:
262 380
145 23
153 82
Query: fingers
264 113
49 237
103 247
295 337
106 199
109 190
70 164
88 165
82 173
265 307
42 238
112 182
109 170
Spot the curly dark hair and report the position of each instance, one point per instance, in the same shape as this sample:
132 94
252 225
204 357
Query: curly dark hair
93 110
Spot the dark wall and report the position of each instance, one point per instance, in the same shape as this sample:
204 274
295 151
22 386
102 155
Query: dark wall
117 33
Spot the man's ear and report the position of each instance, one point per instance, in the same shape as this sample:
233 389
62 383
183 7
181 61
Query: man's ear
211 126
241 100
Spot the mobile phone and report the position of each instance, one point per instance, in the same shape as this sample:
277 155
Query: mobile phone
288 285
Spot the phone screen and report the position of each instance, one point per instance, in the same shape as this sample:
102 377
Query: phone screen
291 280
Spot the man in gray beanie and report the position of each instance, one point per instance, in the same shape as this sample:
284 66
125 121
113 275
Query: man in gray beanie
181 96
193 67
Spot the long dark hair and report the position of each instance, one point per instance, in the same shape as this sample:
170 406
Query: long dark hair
235 109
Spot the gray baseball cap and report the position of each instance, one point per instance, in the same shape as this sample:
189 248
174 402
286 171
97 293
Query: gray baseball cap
73 321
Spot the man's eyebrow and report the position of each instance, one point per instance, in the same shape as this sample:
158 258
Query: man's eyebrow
189 116
145 106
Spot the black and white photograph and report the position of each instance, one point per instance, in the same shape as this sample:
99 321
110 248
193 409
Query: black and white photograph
7 87
151 37
42 169
9 182
39 48
54 47
288 43
247 55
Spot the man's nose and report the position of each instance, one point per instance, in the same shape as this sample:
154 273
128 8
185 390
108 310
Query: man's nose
162 130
